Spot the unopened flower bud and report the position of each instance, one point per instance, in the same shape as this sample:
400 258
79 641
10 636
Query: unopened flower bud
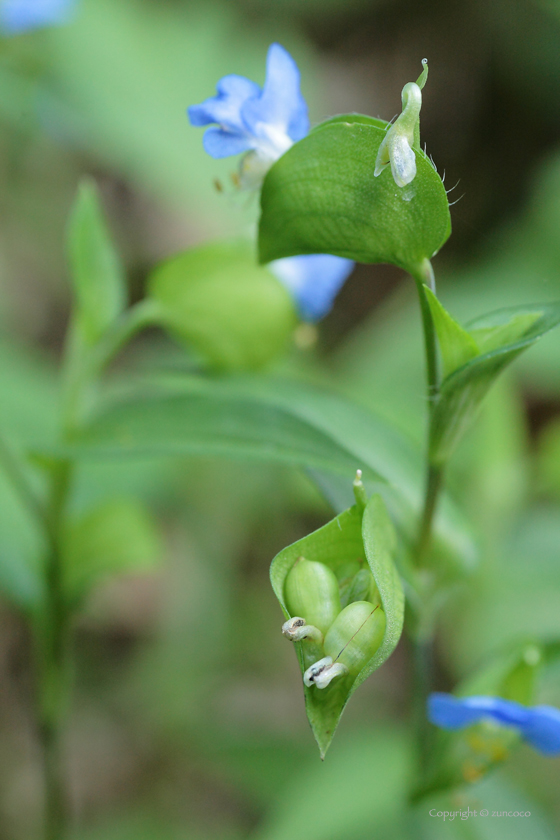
311 591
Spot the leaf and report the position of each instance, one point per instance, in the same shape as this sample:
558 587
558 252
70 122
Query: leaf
97 276
217 299
462 392
456 345
211 422
278 420
362 785
347 537
493 795
322 197
116 537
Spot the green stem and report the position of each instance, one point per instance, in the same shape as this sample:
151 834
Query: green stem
143 314
14 470
82 366
85 364
434 483
424 633
423 681
425 277
52 645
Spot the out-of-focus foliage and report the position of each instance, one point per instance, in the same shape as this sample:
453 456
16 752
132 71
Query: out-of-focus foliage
154 749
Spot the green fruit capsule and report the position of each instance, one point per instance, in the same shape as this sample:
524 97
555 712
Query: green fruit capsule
350 643
311 591
355 635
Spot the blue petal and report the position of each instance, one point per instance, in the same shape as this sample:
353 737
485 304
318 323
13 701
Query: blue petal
219 143
451 712
313 280
539 726
542 729
225 108
18 16
281 104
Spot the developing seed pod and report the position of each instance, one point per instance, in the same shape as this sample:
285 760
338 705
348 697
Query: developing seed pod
359 588
311 591
350 642
355 635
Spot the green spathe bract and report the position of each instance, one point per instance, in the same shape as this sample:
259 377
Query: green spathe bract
351 535
322 197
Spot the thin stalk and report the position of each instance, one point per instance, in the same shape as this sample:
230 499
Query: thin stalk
52 645
82 366
434 473
423 681
14 470
425 277
434 483
424 635
85 364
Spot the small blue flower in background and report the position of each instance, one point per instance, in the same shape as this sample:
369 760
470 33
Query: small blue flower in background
263 122
17 16
313 280
538 725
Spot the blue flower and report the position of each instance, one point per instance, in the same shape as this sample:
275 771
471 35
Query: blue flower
264 122
18 16
313 280
538 725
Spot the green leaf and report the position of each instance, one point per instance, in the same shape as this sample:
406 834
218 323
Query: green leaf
456 345
212 421
278 420
97 276
218 300
322 197
116 537
347 537
462 392
363 784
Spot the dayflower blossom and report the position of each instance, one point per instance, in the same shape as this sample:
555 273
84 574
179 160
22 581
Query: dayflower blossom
538 725
313 280
18 16
263 122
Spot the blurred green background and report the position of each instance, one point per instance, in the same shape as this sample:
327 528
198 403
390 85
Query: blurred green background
188 720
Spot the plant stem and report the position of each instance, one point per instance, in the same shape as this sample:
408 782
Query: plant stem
425 277
52 644
83 364
434 483
138 317
14 470
423 681
424 633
